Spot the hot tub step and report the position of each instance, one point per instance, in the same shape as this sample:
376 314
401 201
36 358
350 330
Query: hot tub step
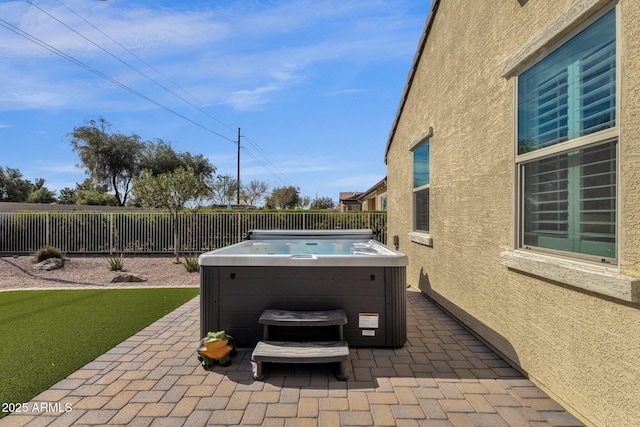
300 352
303 318
294 318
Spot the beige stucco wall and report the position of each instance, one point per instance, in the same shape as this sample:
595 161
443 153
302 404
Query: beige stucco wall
582 348
378 205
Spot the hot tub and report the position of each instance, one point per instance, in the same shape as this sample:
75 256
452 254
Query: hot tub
306 270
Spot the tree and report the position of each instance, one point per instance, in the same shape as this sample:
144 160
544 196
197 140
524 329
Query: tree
173 191
90 194
322 203
286 198
305 201
13 188
160 157
108 158
41 194
224 189
200 165
253 192
67 196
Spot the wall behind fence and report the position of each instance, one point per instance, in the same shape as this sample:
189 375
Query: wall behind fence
152 232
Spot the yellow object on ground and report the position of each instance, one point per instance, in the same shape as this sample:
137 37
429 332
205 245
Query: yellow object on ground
215 349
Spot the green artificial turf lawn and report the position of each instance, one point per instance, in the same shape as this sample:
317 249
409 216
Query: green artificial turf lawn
47 335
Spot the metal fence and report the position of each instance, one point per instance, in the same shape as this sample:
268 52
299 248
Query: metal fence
152 232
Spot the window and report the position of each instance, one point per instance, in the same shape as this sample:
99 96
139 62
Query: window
567 146
421 187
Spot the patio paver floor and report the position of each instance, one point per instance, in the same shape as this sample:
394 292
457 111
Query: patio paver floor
443 376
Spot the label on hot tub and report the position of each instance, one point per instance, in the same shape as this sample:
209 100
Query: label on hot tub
368 333
368 320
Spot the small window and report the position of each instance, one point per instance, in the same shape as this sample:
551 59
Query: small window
566 146
421 178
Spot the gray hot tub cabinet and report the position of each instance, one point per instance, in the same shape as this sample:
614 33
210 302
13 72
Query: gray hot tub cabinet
234 291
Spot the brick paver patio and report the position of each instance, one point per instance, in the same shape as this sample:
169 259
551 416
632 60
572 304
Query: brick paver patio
443 376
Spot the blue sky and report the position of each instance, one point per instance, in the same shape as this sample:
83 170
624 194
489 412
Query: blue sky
314 85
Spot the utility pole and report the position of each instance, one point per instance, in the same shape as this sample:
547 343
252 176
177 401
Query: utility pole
238 166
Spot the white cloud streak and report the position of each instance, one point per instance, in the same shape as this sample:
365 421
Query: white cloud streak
228 51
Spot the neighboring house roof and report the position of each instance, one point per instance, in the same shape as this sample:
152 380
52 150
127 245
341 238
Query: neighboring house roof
412 73
373 190
357 196
351 196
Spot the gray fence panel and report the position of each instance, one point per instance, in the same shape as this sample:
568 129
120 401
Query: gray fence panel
153 232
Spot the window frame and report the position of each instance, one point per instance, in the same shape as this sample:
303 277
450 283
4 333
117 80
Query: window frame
421 188
602 137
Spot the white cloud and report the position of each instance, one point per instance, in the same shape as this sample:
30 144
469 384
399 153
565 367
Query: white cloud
72 29
59 168
243 54
248 99
290 165
356 182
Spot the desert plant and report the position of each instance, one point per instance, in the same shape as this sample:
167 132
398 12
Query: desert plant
47 252
191 264
116 263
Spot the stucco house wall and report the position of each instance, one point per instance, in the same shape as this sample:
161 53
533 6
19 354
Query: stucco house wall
374 198
572 326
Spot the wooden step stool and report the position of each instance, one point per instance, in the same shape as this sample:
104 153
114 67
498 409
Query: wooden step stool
301 352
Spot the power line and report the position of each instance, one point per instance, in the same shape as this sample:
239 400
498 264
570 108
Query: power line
261 152
278 173
145 63
255 145
124 62
87 67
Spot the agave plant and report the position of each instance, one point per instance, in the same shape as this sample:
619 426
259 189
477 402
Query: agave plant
191 264
116 263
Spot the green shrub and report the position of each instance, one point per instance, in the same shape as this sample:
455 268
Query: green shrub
116 263
47 252
191 264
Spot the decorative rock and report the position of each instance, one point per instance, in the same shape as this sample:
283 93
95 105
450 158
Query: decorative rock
127 277
49 264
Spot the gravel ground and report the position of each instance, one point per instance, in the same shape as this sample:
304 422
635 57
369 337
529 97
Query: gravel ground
81 271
